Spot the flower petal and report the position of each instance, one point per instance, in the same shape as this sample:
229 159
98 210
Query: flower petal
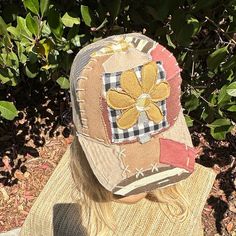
160 91
119 100
128 118
149 76
154 113
130 84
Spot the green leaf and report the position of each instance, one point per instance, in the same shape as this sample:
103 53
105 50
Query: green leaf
63 82
208 114
188 120
219 128
76 41
33 24
230 64
8 110
31 70
48 46
185 27
169 41
219 133
21 53
160 9
22 28
11 60
46 31
232 108
3 27
194 23
33 57
223 97
114 8
32 5
231 89
14 31
55 23
216 58
74 31
86 15
219 123
5 75
44 7
4 33
69 21
192 103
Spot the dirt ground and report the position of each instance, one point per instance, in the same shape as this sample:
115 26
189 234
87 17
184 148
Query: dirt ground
16 200
218 216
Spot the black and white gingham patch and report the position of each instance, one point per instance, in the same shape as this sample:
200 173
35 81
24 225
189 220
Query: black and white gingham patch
112 80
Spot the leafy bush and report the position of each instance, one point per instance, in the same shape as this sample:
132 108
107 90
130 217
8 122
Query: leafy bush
39 39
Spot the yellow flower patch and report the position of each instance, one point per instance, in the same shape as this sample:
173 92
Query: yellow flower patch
137 96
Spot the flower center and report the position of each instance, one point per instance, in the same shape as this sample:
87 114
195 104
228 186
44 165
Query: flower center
143 101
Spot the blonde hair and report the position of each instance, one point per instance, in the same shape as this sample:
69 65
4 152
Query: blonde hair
96 202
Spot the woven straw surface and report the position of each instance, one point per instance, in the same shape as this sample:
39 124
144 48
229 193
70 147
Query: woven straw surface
54 212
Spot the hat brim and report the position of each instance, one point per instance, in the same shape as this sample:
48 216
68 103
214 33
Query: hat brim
107 164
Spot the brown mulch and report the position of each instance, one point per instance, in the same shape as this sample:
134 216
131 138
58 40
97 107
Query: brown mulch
16 200
219 213
218 216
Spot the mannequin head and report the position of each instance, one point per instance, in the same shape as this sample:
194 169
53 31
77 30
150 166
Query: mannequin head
132 141
96 202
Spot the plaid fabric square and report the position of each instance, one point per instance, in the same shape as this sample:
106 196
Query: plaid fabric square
112 80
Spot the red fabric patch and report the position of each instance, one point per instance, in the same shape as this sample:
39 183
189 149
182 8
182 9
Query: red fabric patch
173 101
170 64
177 154
172 69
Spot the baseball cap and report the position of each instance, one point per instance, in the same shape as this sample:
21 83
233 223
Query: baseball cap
125 94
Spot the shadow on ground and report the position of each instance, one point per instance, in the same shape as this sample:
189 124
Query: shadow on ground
220 155
43 108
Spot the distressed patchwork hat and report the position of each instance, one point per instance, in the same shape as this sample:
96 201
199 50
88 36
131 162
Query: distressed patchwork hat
125 93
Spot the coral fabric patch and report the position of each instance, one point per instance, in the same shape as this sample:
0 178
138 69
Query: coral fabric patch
136 101
177 154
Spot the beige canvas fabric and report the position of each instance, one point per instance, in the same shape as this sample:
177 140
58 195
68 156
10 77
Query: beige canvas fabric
122 61
88 92
55 214
131 160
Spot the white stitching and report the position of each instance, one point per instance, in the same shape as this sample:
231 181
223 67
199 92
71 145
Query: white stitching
154 167
188 161
94 59
82 77
88 68
139 172
80 100
99 139
125 170
79 89
85 134
121 153
163 181
163 49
